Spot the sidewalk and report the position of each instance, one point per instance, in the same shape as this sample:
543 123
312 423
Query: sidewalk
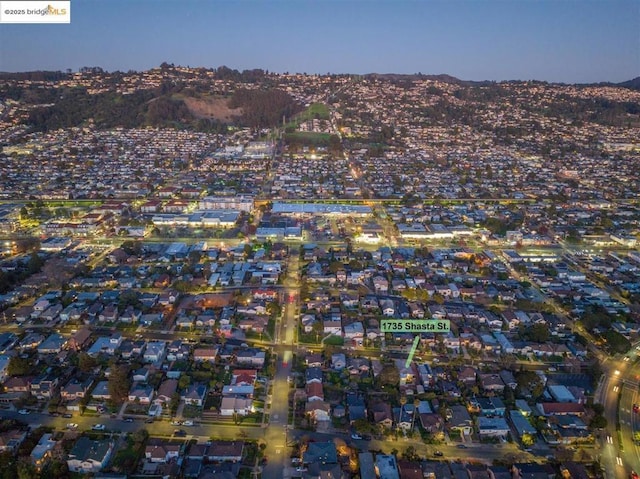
123 409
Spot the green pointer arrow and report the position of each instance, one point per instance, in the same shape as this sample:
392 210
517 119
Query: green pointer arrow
414 346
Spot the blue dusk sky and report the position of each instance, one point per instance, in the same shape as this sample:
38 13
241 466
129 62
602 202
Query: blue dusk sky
572 41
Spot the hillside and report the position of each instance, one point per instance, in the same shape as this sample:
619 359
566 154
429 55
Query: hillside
212 108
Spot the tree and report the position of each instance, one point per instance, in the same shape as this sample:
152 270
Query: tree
56 468
85 362
58 272
184 381
410 454
598 409
133 248
195 257
530 381
19 366
616 342
538 333
274 309
182 286
7 465
26 470
335 266
129 298
35 263
598 422
174 403
119 383
140 436
389 376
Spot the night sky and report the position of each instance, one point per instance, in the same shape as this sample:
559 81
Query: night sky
552 40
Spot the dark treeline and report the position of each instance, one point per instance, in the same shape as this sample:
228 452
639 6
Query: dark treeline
249 76
164 109
596 110
263 108
75 106
108 110
34 76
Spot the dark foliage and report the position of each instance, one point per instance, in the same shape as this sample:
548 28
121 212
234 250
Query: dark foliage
108 110
164 109
10 279
633 84
263 108
34 76
247 76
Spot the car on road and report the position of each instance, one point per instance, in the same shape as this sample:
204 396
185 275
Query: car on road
176 423
356 436
128 419
187 423
72 425
98 427
301 469
461 446
179 433
67 416
438 453
24 412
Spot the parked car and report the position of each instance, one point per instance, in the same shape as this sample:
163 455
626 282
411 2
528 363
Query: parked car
23 412
98 427
187 423
179 433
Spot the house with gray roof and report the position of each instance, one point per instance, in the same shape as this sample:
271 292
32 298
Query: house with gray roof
322 452
89 456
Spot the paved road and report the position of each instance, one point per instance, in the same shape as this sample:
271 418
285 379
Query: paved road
158 428
485 453
276 435
617 392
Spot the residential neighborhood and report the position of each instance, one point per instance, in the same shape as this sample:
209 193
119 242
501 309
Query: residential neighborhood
210 304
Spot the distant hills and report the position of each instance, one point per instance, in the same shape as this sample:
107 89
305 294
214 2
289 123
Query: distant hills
444 78
633 84
258 74
184 99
